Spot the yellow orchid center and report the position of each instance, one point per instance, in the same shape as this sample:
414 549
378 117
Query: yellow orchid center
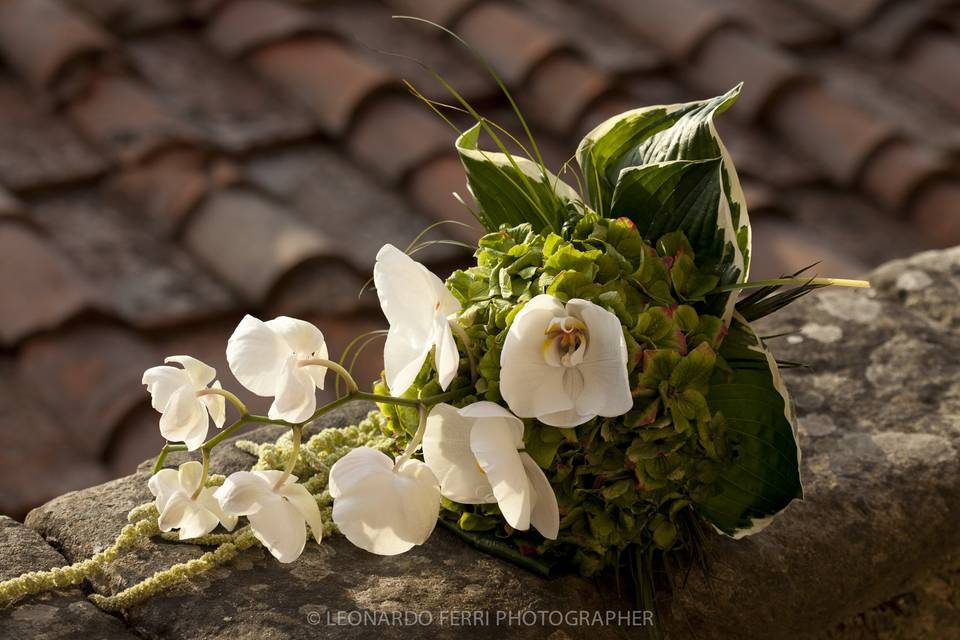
565 343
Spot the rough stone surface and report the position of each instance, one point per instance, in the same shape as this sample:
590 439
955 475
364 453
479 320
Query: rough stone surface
48 616
879 411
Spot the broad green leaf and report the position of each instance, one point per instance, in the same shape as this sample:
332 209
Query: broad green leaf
513 190
763 474
666 168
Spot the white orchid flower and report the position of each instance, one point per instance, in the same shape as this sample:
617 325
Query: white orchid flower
277 508
273 359
565 364
474 453
383 507
174 491
182 397
418 307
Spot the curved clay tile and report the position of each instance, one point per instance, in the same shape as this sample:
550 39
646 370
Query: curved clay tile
396 133
561 90
432 187
39 288
509 39
243 26
931 61
677 27
89 377
125 118
445 12
250 241
40 37
846 13
934 210
896 171
730 56
325 74
832 131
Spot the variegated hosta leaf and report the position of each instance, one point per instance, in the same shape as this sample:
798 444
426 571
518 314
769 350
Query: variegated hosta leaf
665 168
763 476
513 190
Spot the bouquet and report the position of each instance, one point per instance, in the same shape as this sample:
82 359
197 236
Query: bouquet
590 395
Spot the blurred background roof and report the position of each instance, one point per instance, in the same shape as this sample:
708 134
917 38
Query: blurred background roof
166 166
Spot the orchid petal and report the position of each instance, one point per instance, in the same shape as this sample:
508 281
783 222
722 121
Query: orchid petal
381 510
256 354
208 502
243 493
201 374
544 513
306 504
196 521
446 358
528 384
189 476
354 468
280 527
296 395
493 442
163 484
446 450
162 382
606 385
305 340
173 512
184 419
404 353
216 405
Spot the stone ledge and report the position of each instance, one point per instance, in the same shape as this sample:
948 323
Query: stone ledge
879 415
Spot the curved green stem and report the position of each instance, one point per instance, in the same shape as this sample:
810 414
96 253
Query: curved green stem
205 453
415 440
234 400
292 460
337 368
357 395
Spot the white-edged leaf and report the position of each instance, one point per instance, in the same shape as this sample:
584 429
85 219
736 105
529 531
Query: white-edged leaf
622 161
763 476
513 190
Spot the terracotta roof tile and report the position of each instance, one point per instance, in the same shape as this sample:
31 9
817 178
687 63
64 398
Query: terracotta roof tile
9 204
934 209
847 14
509 38
396 133
931 62
677 27
319 286
40 37
325 74
780 22
165 189
228 223
833 132
783 248
133 16
407 49
39 288
889 32
351 210
444 12
245 25
37 149
762 199
730 56
432 186
847 222
761 157
561 90
145 281
136 438
896 171
89 377
605 44
234 108
127 120
33 444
